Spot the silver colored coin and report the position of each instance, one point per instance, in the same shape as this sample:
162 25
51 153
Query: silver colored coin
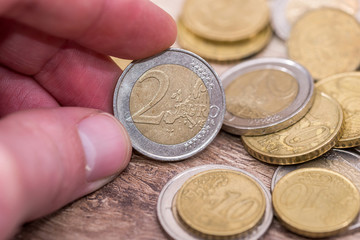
171 104
301 103
167 214
342 161
284 13
357 149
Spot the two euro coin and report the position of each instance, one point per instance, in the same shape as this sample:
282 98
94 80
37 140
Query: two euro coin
171 104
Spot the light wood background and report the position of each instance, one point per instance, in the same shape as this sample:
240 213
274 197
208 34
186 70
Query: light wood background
126 207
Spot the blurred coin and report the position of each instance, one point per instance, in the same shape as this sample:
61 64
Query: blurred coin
316 202
285 13
316 133
265 95
326 41
345 88
224 182
344 162
225 20
171 104
223 51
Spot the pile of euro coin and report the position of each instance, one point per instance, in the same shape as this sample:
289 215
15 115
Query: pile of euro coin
300 112
224 30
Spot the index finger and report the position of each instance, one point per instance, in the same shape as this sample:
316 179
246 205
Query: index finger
123 28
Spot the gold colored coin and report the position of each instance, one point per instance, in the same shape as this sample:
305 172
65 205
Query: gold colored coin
221 203
326 41
345 88
260 93
316 133
296 8
316 202
223 51
225 20
176 111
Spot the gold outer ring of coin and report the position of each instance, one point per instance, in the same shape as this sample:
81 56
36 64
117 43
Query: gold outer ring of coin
220 20
316 133
345 89
223 51
326 41
221 203
297 198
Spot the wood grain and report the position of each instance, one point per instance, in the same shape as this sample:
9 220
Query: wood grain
126 207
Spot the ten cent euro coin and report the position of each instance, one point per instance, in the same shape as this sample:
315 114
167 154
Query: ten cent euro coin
171 104
225 20
345 88
266 95
326 41
228 197
315 202
223 51
316 133
286 12
221 203
341 161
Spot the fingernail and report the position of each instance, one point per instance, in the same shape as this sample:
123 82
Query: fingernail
106 145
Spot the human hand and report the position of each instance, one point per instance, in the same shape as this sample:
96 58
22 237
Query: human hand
54 54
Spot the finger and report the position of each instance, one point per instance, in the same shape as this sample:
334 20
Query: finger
19 92
127 28
76 76
25 49
72 75
81 149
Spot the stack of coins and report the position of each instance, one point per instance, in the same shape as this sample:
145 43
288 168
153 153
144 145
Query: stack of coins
224 30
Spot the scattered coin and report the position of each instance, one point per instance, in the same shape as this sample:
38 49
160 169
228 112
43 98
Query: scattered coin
223 51
266 95
227 192
326 41
316 133
344 162
171 104
285 13
315 202
345 88
225 20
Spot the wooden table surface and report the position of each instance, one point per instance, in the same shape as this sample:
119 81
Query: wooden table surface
126 207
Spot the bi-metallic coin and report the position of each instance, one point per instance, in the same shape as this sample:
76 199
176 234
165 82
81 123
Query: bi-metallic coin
171 104
266 95
228 202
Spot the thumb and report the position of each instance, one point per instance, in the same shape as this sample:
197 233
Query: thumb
49 158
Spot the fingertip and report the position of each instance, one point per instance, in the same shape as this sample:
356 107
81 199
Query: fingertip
106 145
